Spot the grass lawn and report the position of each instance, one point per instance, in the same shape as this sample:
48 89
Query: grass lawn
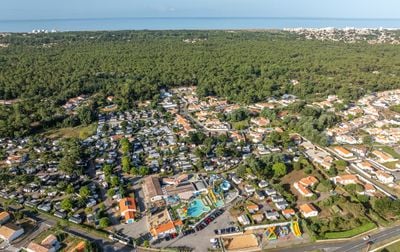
390 151
350 233
391 165
81 132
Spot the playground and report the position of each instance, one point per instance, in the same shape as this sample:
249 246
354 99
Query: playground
283 231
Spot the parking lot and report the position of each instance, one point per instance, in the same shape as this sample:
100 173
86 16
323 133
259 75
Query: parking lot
135 230
200 240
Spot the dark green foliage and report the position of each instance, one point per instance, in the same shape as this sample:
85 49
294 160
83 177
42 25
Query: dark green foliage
44 70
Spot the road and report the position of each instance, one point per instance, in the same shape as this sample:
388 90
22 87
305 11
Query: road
352 245
102 242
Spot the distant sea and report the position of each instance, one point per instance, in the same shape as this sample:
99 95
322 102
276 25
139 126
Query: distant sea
189 23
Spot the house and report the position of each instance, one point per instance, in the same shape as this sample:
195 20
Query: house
244 220
236 180
60 214
384 177
77 219
4 217
262 184
270 192
308 210
260 121
304 191
308 181
277 198
260 195
346 179
343 152
258 217
271 215
365 165
252 208
49 244
161 224
281 205
383 157
249 189
152 189
369 188
127 209
10 232
288 213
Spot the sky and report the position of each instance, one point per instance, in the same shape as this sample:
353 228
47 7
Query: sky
61 9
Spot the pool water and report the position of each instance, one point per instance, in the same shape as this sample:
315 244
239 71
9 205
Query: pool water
197 208
219 203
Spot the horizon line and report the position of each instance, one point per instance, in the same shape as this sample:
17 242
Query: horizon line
199 17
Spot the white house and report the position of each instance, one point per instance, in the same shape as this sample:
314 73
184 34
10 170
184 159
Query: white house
308 210
244 220
384 177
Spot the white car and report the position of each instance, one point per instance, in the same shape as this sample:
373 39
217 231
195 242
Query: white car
366 238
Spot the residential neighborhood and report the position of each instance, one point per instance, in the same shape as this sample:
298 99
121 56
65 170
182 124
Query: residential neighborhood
199 173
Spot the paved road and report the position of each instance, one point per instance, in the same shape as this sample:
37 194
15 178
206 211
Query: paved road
106 244
353 245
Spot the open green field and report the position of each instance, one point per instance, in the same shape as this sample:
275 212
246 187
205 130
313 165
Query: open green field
81 132
390 151
350 233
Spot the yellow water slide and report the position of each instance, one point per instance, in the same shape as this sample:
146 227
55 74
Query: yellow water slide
296 228
212 195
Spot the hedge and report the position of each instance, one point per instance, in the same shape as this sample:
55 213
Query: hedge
350 233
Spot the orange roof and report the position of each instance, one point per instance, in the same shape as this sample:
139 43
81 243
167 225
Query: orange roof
80 247
308 181
383 174
50 239
164 227
369 187
382 155
260 121
4 215
347 177
8 230
127 207
252 206
342 150
33 246
129 215
127 203
288 211
304 190
366 163
307 208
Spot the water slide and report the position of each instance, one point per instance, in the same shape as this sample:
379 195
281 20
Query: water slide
295 228
211 193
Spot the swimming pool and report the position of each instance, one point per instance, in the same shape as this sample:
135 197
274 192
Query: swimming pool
197 208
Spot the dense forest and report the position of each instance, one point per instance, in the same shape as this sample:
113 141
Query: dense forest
43 70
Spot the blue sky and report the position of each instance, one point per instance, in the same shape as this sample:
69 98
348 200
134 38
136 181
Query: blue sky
49 9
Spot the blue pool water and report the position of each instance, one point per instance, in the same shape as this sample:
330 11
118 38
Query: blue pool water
197 208
225 185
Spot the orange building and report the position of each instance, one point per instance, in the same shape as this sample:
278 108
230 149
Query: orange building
127 208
